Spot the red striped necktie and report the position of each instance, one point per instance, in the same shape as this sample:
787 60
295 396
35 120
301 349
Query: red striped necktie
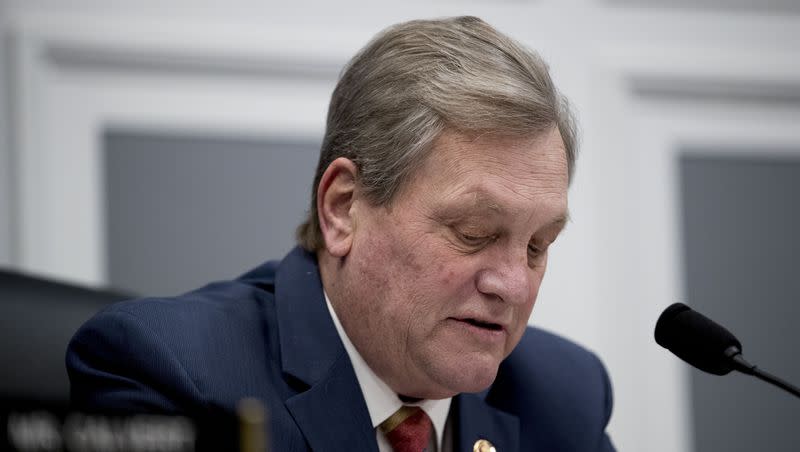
408 429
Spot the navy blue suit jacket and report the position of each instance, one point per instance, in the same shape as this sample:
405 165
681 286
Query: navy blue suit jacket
268 334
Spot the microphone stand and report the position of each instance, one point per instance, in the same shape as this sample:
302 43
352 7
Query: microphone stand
745 367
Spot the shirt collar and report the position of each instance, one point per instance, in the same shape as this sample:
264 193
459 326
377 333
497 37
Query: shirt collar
381 400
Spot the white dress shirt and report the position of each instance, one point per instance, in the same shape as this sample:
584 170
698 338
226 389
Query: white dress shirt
382 401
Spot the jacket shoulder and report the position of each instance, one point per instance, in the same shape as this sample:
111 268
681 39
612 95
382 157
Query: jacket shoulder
559 390
162 354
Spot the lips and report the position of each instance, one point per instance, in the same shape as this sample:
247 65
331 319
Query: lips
482 330
487 323
483 324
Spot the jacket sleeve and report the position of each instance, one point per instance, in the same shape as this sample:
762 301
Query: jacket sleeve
118 364
605 441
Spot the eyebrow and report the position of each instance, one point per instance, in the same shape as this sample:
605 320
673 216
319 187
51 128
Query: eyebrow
478 202
484 201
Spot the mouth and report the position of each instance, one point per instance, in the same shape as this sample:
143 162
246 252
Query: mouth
489 326
484 325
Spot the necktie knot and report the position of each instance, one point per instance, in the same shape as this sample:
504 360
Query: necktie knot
408 429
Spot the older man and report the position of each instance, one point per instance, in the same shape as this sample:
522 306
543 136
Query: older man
400 323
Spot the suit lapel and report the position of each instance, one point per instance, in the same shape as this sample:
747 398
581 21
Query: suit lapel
479 420
332 413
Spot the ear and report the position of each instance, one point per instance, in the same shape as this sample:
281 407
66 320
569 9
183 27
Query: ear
334 198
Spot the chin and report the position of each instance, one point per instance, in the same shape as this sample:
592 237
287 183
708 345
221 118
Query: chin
479 382
466 379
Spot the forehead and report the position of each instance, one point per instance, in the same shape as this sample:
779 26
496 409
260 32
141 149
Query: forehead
495 173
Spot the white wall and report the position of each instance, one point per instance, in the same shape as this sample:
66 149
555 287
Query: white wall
5 148
643 81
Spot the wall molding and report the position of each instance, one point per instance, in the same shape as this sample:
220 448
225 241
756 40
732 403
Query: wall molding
743 6
92 57
720 89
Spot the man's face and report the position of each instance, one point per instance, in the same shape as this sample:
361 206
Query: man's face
439 286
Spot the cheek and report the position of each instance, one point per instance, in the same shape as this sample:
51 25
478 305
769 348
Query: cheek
421 261
431 285
446 274
395 270
418 277
450 277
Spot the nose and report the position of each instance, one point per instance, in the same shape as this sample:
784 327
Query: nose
509 277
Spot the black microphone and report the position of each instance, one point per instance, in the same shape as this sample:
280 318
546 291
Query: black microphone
707 345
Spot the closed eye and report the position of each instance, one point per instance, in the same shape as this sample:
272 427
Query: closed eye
475 241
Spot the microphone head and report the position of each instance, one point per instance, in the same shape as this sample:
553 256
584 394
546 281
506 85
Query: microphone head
696 339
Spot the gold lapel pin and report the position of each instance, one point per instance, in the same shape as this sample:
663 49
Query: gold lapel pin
483 445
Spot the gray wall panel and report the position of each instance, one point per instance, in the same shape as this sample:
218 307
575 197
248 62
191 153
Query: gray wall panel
742 244
183 211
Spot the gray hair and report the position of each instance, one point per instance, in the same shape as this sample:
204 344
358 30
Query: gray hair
418 78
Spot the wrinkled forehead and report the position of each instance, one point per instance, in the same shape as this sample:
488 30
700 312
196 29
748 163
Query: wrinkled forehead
495 175
528 160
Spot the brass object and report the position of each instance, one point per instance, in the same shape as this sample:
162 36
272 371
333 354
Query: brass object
252 425
483 445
